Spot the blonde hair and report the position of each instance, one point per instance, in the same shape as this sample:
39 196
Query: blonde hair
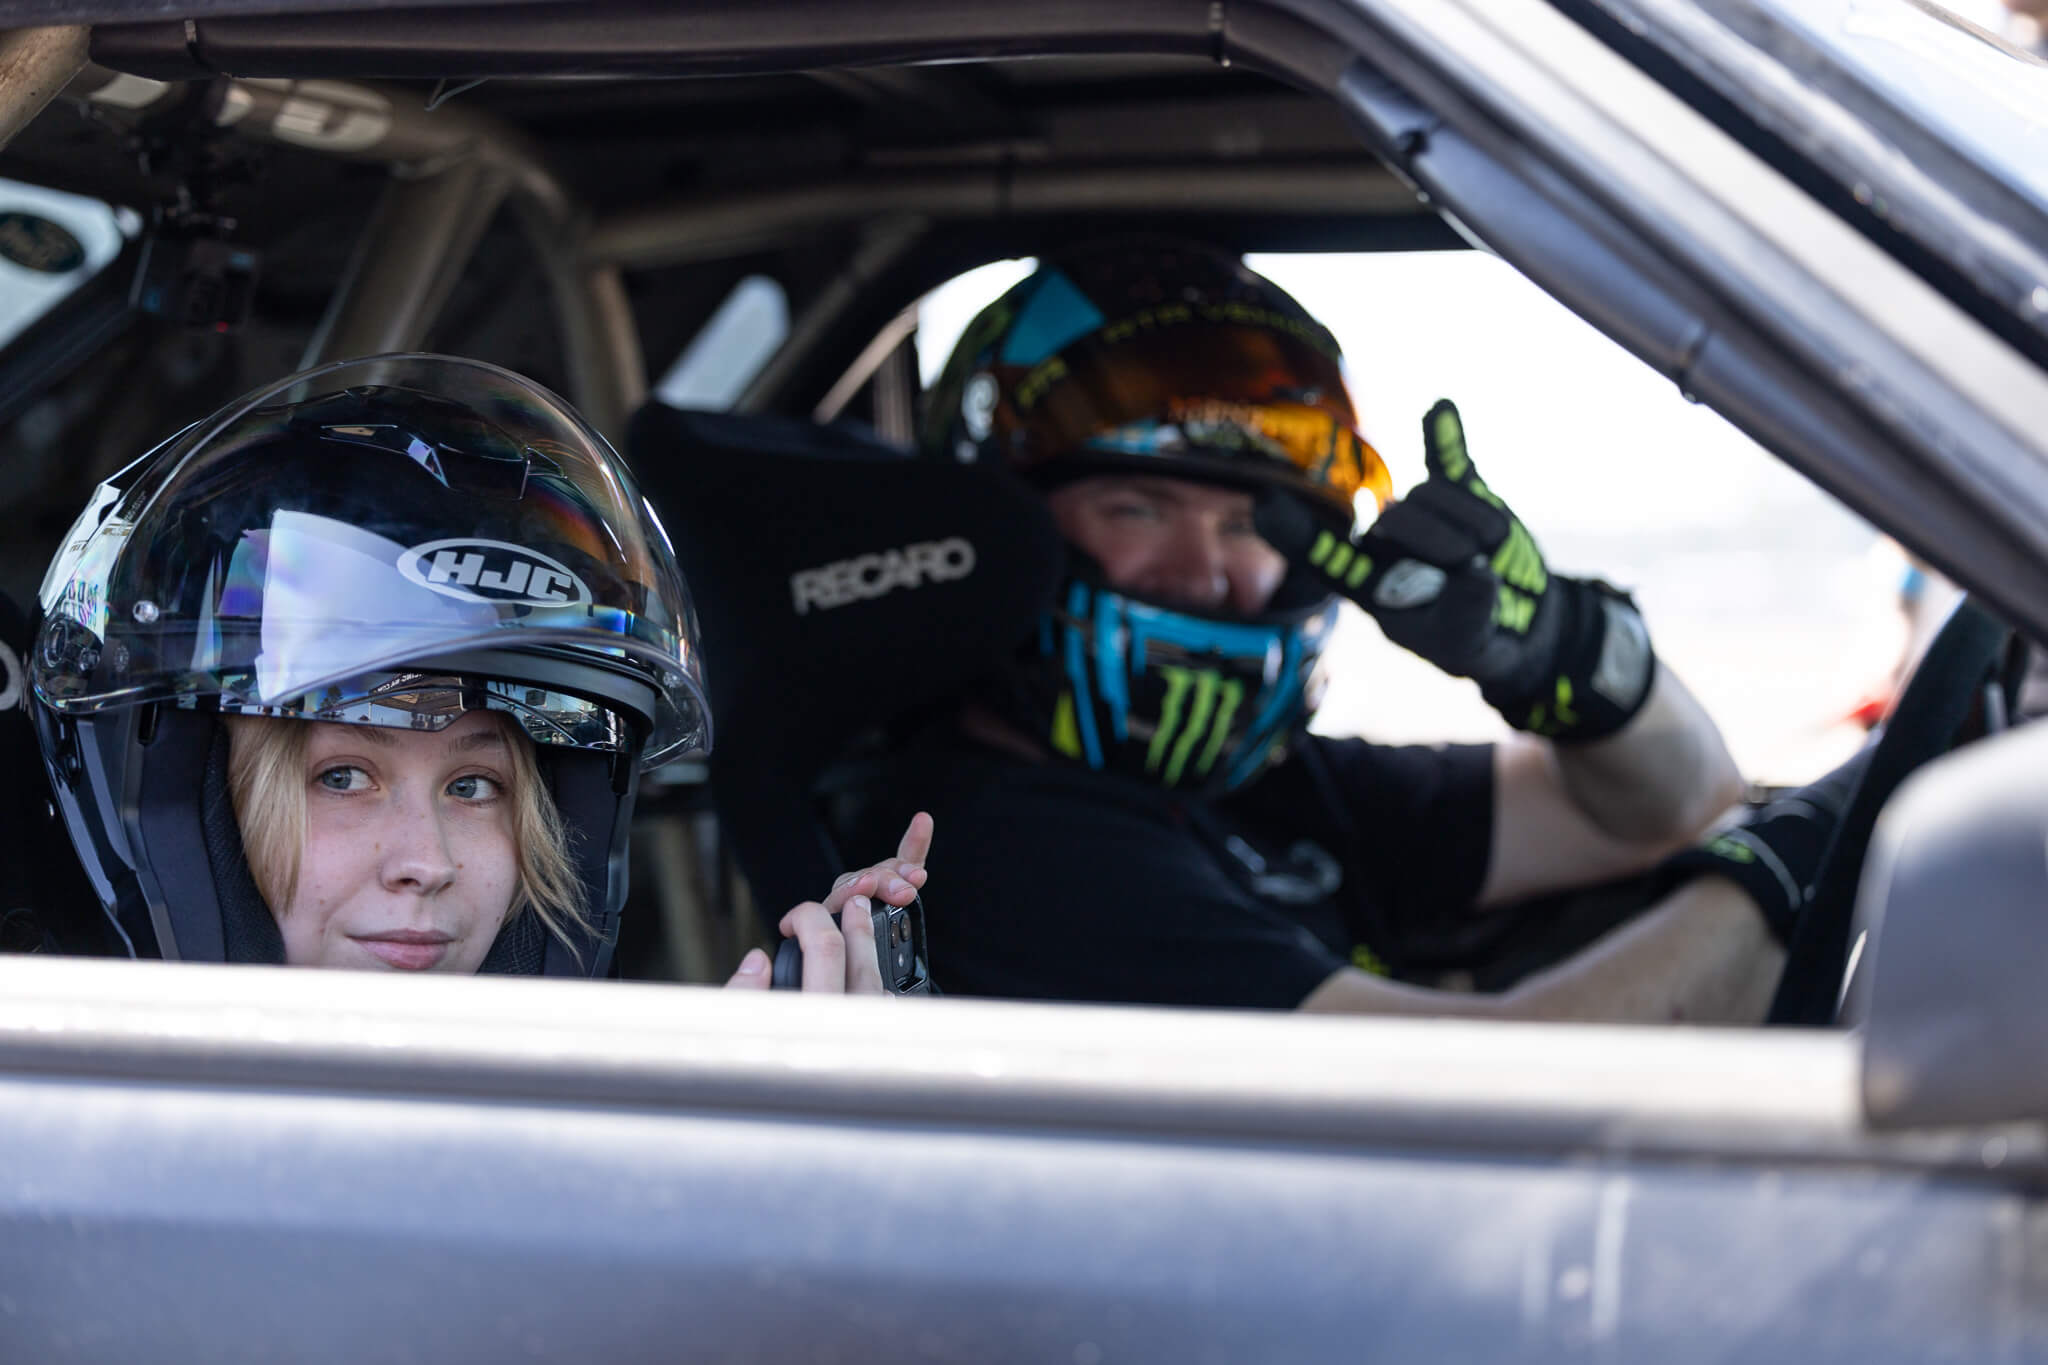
267 785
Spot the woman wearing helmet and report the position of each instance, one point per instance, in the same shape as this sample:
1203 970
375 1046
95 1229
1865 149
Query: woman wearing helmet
362 670
1190 426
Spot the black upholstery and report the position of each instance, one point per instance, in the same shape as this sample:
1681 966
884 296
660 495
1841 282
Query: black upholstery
799 666
45 900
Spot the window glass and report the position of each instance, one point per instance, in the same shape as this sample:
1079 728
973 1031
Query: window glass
1783 611
50 244
1987 99
1777 606
943 314
723 358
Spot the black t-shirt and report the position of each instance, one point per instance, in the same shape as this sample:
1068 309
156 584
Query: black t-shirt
1053 882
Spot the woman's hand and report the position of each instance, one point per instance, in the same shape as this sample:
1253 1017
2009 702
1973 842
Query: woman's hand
840 958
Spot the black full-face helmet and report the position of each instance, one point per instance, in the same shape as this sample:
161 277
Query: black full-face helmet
391 541
1150 355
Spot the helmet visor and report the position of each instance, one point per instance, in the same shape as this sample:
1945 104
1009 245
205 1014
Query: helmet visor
425 701
1245 401
360 518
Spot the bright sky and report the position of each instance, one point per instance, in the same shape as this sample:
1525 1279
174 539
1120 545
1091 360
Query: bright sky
1773 602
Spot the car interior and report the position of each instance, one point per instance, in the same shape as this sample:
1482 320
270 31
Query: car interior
736 235
853 192
599 234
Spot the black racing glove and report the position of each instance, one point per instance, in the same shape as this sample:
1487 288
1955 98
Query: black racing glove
1776 853
1450 573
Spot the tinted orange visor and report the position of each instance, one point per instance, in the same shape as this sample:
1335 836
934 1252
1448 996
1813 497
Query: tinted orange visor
1250 401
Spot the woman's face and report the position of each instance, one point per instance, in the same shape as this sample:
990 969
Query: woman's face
410 862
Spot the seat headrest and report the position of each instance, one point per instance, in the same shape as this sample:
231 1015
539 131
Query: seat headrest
840 583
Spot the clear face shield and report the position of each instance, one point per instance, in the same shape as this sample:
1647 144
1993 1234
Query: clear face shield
319 548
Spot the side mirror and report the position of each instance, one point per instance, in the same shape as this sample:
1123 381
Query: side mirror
1948 978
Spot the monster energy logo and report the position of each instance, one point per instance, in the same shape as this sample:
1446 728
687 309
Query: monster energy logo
1208 701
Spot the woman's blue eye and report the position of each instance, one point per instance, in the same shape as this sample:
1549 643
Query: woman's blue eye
474 787
343 779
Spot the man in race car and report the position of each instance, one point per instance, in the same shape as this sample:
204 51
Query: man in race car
1188 423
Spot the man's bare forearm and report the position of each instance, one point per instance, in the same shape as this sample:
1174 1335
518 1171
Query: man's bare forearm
1702 955
1662 778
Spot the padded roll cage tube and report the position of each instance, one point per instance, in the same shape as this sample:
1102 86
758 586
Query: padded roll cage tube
407 260
452 168
35 63
883 245
707 227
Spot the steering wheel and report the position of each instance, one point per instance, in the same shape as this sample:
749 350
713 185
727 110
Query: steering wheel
1924 725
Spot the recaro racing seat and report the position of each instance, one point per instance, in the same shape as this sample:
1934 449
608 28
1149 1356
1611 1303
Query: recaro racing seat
841 584
46 904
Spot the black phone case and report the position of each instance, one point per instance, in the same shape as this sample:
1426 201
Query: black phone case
901 958
789 967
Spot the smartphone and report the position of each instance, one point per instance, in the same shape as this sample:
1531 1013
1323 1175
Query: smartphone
899 948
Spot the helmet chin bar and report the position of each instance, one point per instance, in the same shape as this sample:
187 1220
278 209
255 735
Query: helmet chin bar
1186 700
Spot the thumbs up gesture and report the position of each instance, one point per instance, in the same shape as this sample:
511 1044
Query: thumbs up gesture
1451 573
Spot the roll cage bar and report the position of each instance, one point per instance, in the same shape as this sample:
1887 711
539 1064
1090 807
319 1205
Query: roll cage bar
1712 268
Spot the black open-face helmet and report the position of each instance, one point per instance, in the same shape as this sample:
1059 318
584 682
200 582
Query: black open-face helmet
390 541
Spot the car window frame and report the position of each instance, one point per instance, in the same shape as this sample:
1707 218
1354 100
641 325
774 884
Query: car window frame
222 1090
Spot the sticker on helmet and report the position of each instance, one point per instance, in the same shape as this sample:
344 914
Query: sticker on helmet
978 405
493 571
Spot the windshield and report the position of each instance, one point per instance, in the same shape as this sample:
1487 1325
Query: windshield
1931 122
1986 96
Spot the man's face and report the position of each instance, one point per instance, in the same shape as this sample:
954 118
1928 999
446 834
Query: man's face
1173 541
